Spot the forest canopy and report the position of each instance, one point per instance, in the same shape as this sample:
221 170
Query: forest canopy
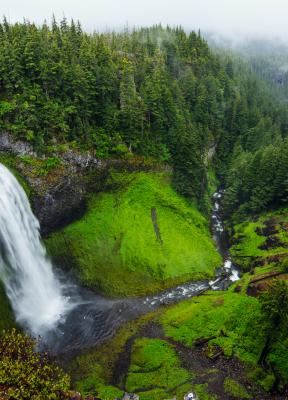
156 92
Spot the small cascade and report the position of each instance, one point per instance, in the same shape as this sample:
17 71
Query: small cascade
221 241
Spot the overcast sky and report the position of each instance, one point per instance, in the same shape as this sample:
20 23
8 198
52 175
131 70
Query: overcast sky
228 17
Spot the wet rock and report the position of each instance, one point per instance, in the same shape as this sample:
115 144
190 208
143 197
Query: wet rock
60 204
9 145
130 396
191 396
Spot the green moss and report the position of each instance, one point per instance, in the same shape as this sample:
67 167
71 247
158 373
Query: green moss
94 385
279 357
154 363
235 390
261 377
7 319
249 238
41 167
138 238
233 318
203 393
155 394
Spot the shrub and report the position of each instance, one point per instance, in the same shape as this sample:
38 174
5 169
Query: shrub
26 374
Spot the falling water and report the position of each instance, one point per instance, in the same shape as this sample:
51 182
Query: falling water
35 293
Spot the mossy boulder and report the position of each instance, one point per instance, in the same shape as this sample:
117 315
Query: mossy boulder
139 237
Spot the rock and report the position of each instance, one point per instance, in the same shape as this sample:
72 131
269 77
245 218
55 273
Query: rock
130 396
60 204
19 148
191 396
60 197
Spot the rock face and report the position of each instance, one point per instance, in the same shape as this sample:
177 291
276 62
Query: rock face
55 199
60 204
60 197
8 145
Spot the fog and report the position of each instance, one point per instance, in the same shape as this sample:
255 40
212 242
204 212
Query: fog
232 18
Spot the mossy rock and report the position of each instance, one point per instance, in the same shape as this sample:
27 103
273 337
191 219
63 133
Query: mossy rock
139 237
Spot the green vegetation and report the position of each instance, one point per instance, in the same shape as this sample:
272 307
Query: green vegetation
238 325
154 364
274 304
234 320
92 371
94 384
154 92
261 238
27 375
7 319
257 180
137 238
154 370
40 167
235 390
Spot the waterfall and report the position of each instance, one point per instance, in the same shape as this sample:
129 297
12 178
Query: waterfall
66 315
36 295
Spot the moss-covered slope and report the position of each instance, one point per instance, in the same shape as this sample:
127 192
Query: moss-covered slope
139 237
263 241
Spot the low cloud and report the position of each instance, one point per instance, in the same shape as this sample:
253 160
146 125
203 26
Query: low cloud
233 18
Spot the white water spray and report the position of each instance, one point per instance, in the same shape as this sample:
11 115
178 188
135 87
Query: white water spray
35 293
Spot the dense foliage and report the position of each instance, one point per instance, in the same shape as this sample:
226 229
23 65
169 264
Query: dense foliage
254 165
156 92
257 180
26 374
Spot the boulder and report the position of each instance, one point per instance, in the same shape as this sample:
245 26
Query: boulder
191 396
130 396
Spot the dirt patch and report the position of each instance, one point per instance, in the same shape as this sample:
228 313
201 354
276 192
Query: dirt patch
121 367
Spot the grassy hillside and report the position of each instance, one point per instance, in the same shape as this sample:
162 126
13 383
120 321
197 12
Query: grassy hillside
138 237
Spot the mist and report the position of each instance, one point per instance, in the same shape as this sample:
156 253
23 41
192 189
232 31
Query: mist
235 19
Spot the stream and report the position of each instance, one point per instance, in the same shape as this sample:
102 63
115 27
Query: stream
65 315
